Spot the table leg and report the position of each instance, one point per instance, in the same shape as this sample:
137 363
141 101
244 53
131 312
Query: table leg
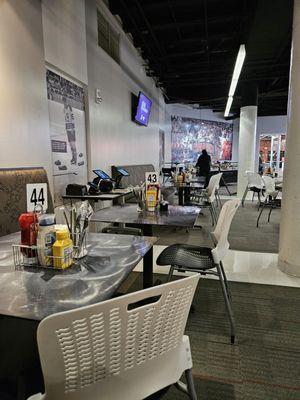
148 260
187 195
148 269
20 369
180 196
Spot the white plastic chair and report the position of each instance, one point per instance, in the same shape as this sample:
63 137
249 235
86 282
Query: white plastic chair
125 348
270 196
218 179
255 184
206 260
208 197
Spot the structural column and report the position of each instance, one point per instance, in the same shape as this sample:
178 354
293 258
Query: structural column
247 136
289 242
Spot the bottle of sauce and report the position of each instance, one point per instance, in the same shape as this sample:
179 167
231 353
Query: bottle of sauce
28 224
46 238
63 249
181 176
151 197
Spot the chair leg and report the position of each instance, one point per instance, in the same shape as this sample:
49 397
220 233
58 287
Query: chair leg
217 201
262 209
171 270
215 213
225 280
212 215
258 204
244 196
220 202
227 304
190 384
269 216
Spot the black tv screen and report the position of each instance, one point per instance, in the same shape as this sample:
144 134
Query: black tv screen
142 109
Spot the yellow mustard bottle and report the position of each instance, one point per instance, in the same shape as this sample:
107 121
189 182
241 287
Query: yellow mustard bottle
63 249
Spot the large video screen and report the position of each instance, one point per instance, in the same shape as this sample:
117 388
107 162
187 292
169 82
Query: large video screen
190 136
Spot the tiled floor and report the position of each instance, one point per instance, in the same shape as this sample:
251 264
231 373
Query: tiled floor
244 266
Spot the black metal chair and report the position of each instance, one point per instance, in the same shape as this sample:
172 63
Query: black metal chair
271 197
204 260
255 185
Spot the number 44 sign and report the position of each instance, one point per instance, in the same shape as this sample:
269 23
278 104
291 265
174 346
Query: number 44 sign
37 195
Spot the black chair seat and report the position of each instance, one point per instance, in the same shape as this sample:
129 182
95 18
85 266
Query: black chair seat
255 189
187 257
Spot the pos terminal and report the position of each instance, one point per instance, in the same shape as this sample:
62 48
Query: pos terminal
120 173
101 184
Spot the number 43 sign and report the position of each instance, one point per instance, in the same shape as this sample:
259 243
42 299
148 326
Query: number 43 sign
152 178
37 194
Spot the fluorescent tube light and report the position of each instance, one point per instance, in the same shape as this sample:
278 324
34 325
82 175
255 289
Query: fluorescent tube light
228 106
235 77
237 69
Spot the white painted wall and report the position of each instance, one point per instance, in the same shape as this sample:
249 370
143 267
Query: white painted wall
64 36
24 121
113 137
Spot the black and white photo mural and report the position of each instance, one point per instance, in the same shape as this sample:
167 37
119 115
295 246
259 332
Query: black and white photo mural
67 132
190 136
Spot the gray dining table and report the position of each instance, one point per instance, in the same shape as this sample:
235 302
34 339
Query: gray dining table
176 216
27 295
34 293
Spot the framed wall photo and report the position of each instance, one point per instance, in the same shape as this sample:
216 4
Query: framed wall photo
190 136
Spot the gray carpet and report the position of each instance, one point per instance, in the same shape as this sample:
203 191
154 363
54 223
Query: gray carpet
243 235
264 364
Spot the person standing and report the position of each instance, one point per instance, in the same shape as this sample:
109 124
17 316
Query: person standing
70 129
203 163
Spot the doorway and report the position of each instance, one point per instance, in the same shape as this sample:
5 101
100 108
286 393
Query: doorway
272 151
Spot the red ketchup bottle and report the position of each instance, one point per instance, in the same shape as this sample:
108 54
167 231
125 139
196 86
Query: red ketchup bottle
28 224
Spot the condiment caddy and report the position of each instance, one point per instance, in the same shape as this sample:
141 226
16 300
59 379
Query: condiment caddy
49 245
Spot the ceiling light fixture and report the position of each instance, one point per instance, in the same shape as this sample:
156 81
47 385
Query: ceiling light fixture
228 106
235 77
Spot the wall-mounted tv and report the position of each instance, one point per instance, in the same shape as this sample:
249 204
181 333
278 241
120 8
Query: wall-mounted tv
141 109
